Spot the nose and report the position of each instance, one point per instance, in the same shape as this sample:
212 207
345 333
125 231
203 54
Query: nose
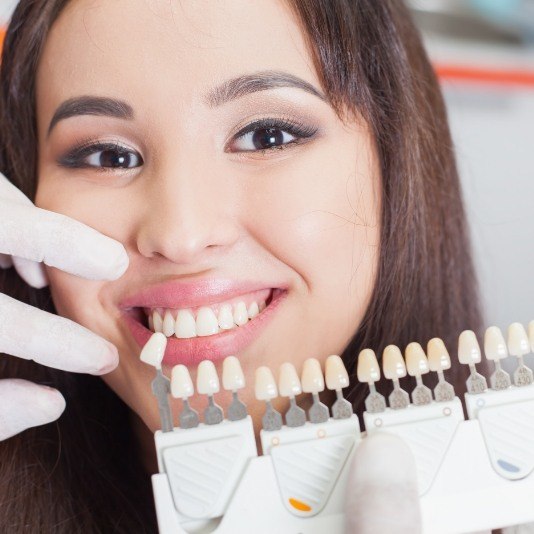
189 216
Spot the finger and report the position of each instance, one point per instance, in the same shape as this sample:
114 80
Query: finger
8 191
59 241
31 272
5 261
51 340
25 404
382 493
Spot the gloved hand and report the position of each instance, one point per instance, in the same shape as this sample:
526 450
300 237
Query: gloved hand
28 236
382 488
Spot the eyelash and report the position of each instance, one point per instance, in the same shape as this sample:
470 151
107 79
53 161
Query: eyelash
74 158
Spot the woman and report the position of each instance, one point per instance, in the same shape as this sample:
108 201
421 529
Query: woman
296 153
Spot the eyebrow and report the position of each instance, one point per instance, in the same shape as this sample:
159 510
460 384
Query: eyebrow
91 105
259 81
221 94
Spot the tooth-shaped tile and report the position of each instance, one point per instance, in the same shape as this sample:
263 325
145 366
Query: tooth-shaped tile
438 355
226 317
312 376
416 360
168 324
518 343
233 377
253 310
181 383
265 385
240 314
368 369
335 373
158 321
468 348
531 335
150 322
207 379
185 326
206 323
439 360
154 349
393 363
288 381
494 344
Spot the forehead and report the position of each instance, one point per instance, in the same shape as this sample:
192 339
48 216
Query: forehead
164 49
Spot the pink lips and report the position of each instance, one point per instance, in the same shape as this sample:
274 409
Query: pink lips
192 294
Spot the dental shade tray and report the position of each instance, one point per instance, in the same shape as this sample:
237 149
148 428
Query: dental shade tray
473 474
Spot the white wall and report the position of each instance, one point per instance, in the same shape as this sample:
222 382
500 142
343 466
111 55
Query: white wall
493 130
6 8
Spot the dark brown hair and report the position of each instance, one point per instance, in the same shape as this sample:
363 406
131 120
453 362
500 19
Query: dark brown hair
81 474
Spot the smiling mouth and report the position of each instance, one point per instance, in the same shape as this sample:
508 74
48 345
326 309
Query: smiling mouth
208 320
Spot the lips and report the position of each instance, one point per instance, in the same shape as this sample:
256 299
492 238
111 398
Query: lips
192 351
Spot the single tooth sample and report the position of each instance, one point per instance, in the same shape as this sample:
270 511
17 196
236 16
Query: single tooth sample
368 372
313 382
289 386
439 361
531 335
265 390
233 379
469 354
337 378
152 354
417 365
518 345
495 350
208 384
182 388
394 368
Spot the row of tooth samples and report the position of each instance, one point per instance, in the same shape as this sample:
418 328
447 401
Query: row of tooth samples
185 324
518 344
312 381
416 363
208 384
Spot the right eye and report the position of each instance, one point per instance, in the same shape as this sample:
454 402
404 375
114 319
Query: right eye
102 156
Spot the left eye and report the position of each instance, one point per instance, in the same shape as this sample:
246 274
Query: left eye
264 139
114 159
271 134
102 156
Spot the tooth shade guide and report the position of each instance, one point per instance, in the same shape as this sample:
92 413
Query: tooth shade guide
233 380
289 386
394 367
337 378
368 371
312 381
439 360
417 365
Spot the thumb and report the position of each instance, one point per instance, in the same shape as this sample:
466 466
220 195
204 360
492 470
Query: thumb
382 491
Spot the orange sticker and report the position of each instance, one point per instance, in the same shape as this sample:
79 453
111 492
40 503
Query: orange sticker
299 505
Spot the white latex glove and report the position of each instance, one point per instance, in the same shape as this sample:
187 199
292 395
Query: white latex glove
382 489
28 236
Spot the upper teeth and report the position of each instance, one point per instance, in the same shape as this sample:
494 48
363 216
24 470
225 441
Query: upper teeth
183 324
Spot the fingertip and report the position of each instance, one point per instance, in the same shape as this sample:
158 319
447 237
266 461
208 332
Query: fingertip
52 403
108 361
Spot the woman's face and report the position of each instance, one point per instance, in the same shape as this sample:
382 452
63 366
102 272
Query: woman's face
211 208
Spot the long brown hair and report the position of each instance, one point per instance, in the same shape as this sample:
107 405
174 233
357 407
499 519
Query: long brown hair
81 474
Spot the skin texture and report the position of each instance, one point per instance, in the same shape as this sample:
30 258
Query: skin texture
306 216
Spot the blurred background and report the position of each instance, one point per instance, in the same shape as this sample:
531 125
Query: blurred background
483 52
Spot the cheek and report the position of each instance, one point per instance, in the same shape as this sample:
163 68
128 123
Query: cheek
322 220
78 299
